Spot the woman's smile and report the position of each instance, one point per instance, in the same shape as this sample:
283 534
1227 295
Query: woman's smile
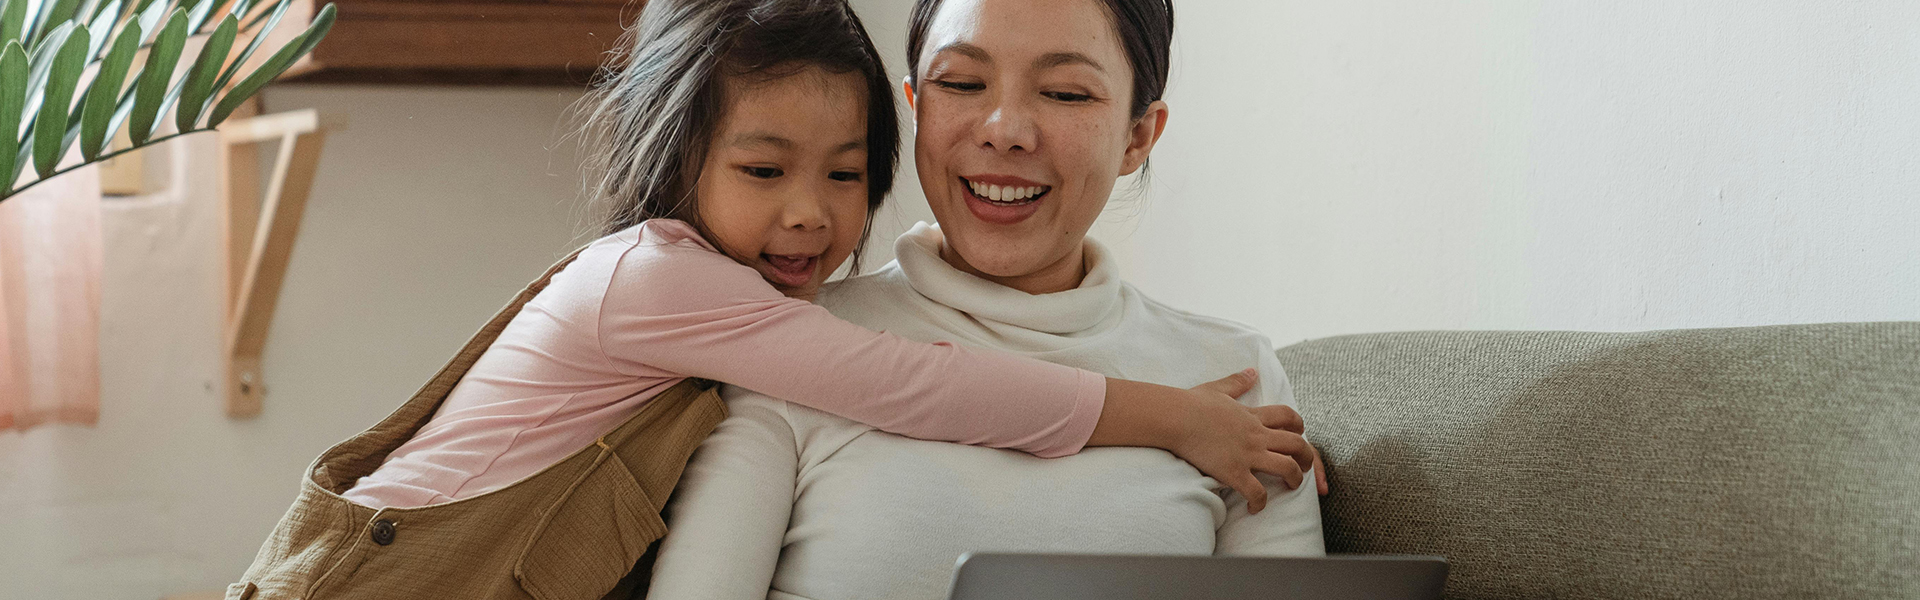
1003 199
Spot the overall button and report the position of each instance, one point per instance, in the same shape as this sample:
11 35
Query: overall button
383 532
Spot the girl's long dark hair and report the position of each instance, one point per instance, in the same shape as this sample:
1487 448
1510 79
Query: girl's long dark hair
656 104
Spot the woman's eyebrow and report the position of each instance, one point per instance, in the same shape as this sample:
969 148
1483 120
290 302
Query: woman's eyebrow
967 50
1060 59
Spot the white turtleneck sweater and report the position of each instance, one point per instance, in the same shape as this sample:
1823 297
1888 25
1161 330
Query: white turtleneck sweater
787 502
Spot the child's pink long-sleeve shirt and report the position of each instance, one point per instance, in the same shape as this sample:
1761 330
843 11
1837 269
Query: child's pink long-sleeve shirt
642 309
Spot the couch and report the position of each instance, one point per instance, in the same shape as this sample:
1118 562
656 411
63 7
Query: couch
1755 462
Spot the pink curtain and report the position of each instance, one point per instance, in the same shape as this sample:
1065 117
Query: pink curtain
50 302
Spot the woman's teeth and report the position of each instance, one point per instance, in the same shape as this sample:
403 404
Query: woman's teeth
1007 194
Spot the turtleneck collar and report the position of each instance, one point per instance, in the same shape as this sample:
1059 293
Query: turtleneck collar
1091 308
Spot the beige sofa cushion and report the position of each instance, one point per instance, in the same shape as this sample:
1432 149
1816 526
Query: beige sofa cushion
1762 462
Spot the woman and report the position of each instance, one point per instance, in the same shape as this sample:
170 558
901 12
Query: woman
1026 112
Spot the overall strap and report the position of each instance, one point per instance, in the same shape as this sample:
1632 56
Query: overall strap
668 404
356 457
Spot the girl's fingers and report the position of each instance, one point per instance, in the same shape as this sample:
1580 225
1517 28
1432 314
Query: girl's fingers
1282 417
1232 385
1291 444
1320 474
1282 466
1251 489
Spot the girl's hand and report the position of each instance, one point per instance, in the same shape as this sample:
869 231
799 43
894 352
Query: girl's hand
1209 429
1230 442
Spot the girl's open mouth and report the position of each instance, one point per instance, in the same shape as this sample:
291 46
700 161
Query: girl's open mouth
793 271
1003 204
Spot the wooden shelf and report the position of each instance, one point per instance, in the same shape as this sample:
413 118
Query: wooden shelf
260 232
465 42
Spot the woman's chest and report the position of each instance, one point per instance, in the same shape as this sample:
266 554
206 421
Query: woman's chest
888 516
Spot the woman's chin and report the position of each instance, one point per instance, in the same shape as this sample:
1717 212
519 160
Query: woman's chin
994 257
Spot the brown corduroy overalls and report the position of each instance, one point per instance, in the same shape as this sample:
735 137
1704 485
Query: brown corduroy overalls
571 531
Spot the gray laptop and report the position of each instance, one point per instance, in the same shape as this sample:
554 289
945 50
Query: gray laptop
1110 577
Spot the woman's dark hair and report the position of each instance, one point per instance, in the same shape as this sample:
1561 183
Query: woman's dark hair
1146 34
656 105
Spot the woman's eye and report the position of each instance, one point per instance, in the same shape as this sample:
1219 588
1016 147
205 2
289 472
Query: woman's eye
844 176
961 86
762 172
1067 96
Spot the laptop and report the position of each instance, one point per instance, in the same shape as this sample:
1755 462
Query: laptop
993 576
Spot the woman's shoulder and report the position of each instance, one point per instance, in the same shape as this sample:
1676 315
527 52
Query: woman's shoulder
871 296
808 430
1222 345
1178 321
884 281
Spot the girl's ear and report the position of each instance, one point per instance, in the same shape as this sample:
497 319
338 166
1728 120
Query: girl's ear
1145 133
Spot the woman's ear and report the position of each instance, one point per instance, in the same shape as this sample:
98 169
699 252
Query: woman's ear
1145 133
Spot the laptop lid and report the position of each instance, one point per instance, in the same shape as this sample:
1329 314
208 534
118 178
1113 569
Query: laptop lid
993 576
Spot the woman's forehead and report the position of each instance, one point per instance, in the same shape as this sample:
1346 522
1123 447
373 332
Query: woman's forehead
1039 34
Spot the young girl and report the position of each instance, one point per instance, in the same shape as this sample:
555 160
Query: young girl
745 146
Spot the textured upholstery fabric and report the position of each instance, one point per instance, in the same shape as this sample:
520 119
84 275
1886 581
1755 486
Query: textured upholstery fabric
1761 462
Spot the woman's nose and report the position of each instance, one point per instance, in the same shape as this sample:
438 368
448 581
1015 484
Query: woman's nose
1009 129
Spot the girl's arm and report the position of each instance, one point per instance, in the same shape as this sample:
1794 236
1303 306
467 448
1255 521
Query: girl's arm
694 312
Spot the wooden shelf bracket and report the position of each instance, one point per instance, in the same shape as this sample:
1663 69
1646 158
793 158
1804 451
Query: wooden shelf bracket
259 235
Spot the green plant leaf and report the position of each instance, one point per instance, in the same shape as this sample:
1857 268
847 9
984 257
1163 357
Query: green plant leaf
105 92
264 15
51 124
121 110
173 94
38 66
199 87
149 14
72 131
13 100
54 13
13 22
154 78
26 145
106 7
99 31
197 12
273 20
278 63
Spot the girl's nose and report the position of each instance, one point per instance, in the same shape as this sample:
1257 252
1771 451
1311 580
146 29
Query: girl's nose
807 212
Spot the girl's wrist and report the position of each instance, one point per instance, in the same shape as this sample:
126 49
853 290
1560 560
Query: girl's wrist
1141 414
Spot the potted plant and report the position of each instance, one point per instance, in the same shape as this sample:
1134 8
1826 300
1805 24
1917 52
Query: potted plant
45 54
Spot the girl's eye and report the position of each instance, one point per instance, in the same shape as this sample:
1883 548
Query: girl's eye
762 172
844 176
1067 96
961 86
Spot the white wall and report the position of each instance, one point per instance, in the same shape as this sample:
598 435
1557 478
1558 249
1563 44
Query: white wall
1341 167
430 210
